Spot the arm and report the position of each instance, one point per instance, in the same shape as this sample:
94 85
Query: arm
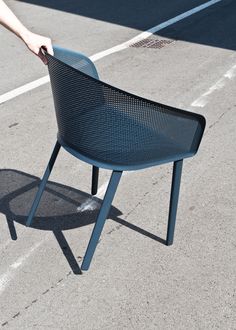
33 41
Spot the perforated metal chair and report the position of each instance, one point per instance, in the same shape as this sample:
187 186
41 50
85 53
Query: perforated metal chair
113 129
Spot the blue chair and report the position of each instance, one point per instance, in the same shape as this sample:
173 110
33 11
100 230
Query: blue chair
113 129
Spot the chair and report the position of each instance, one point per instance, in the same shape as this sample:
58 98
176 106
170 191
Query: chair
113 129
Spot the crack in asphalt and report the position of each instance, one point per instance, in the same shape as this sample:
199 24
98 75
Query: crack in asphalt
27 307
116 228
219 119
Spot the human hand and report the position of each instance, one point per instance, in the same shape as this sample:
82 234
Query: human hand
35 42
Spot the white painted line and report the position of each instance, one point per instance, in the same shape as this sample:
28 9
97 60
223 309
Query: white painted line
148 33
203 99
23 89
231 73
91 203
6 277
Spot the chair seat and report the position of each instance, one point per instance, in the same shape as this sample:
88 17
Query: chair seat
131 141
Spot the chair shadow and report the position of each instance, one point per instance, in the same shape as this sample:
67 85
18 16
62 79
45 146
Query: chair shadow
57 210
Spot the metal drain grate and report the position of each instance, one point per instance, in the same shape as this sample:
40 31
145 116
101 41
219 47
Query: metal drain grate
152 43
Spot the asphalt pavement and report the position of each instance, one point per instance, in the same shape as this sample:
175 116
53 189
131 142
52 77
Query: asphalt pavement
135 281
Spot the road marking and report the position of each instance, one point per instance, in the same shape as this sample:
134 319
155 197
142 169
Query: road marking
87 205
203 99
148 33
39 82
6 277
23 89
92 203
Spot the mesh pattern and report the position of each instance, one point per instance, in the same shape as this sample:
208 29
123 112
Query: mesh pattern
114 127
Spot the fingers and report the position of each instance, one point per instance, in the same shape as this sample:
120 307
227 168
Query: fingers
35 42
49 48
42 57
47 45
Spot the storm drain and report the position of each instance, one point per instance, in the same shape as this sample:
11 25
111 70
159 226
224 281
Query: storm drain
152 43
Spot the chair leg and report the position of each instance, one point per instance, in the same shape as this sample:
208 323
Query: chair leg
176 177
106 204
43 183
95 180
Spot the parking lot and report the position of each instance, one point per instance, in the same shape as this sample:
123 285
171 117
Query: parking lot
135 280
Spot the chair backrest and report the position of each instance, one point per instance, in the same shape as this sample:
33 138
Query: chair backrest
111 126
76 60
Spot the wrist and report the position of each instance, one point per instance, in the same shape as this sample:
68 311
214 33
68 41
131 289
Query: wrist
24 34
